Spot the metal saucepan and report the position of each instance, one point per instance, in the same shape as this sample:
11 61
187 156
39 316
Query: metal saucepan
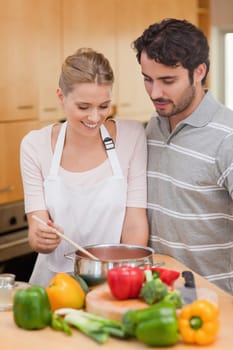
110 255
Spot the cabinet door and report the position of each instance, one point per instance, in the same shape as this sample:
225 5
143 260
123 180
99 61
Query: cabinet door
18 60
49 12
133 17
90 23
11 135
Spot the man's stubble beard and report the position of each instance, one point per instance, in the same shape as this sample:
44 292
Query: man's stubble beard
186 100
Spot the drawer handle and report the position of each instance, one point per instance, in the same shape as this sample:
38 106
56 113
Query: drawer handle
125 104
26 107
50 109
9 188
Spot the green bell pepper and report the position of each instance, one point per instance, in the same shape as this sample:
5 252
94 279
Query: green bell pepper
156 325
31 308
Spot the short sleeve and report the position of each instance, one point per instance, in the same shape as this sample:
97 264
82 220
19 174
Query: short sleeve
34 155
133 157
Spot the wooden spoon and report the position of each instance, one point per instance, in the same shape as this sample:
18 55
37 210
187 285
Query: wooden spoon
75 245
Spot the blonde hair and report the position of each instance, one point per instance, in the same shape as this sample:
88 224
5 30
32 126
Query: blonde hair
85 66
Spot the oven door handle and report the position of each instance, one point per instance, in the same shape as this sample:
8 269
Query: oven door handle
14 243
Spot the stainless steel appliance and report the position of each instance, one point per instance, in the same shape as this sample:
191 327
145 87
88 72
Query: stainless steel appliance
16 256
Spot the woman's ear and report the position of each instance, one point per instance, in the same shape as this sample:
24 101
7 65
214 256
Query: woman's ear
60 96
199 73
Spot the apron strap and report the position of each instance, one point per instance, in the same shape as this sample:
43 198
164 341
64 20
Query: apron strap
111 152
56 161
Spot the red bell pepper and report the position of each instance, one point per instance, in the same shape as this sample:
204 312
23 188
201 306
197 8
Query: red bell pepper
125 282
167 276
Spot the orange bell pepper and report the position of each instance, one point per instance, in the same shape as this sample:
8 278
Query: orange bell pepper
198 322
64 291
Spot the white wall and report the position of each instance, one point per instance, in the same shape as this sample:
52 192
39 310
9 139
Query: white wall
221 21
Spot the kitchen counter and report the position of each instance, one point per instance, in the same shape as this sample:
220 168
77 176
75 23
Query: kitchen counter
12 337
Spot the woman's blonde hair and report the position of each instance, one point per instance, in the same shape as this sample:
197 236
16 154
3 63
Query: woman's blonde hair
85 66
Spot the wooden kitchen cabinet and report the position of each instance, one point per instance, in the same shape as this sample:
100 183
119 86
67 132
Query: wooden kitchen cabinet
30 59
11 135
204 16
90 23
204 23
50 59
132 19
30 63
18 60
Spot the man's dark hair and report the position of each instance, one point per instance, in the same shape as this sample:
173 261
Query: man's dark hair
173 42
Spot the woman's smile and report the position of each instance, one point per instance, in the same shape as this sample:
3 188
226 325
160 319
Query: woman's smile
89 125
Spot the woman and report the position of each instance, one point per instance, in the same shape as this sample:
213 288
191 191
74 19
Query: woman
86 176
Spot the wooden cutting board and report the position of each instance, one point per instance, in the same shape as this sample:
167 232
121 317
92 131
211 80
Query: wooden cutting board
100 301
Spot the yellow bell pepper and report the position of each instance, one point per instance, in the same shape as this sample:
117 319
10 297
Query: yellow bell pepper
199 323
64 291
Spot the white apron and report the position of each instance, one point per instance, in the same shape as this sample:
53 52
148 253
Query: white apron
91 214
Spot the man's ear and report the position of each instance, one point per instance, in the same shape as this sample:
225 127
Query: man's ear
199 73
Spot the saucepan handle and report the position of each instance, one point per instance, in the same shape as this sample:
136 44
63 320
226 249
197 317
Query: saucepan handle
158 263
70 256
154 264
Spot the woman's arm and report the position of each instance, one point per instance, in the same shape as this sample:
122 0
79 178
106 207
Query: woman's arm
41 238
135 228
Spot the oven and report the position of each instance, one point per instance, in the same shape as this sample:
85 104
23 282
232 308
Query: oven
16 255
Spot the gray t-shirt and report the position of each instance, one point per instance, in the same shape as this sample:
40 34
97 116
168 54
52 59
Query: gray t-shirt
190 190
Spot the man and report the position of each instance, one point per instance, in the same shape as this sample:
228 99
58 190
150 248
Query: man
190 145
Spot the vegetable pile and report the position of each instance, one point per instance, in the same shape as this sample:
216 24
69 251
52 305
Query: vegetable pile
159 324
151 284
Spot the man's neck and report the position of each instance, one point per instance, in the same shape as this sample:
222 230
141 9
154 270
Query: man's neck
175 119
